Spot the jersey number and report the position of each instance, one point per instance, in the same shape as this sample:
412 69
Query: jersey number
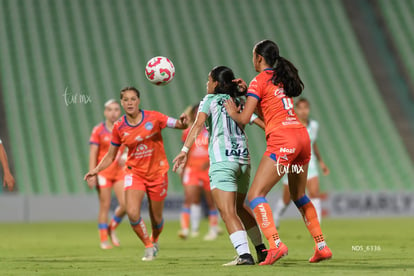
233 126
287 103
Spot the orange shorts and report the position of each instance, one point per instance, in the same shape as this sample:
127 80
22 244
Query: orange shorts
156 190
106 180
289 146
195 177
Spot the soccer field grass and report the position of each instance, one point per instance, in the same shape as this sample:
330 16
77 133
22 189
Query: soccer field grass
72 248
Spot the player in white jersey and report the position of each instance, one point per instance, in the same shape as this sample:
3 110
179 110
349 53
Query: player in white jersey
229 163
302 108
8 177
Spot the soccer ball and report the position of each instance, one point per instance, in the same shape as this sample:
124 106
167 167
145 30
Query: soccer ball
160 71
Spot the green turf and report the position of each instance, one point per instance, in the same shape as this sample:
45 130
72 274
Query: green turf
72 248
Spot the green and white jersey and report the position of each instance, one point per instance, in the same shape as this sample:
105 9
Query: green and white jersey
227 140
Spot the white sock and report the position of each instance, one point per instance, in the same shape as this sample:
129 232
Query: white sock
318 207
195 217
280 209
255 235
240 243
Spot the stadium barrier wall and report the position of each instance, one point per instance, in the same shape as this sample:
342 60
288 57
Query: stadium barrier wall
18 208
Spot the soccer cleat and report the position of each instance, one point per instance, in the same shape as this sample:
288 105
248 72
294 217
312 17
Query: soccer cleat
195 234
261 253
321 255
114 238
274 254
106 245
183 233
211 235
245 259
156 248
149 254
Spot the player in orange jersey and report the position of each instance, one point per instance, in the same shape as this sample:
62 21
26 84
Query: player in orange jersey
108 179
302 109
195 179
146 166
288 146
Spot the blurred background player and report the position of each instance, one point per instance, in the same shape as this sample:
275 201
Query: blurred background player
195 179
110 178
8 177
287 146
302 108
146 166
229 164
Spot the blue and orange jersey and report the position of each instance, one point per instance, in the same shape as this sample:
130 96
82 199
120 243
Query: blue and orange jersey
274 105
198 154
101 136
146 153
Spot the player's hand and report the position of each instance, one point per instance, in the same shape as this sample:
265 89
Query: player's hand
92 182
241 84
184 119
231 107
90 177
325 169
179 160
8 181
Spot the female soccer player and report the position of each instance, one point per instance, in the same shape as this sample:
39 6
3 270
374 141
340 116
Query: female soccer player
302 109
288 146
195 179
229 163
146 165
8 177
111 177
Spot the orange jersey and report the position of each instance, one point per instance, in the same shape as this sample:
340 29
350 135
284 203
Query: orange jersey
146 154
274 105
198 154
101 136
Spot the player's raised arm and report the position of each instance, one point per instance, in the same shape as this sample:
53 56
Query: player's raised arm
182 122
244 116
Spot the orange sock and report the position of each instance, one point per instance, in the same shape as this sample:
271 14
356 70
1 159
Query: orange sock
310 218
115 221
264 218
141 230
103 231
185 218
156 231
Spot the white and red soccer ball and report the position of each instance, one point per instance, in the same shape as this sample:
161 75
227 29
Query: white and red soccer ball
160 70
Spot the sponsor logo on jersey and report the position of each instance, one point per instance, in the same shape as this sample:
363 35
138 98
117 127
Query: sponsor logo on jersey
279 92
139 138
149 126
142 151
126 134
142 147
237 152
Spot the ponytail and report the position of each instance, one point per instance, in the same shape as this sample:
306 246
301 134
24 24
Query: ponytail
287 74
284 72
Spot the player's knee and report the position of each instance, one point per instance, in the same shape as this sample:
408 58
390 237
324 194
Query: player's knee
133 213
